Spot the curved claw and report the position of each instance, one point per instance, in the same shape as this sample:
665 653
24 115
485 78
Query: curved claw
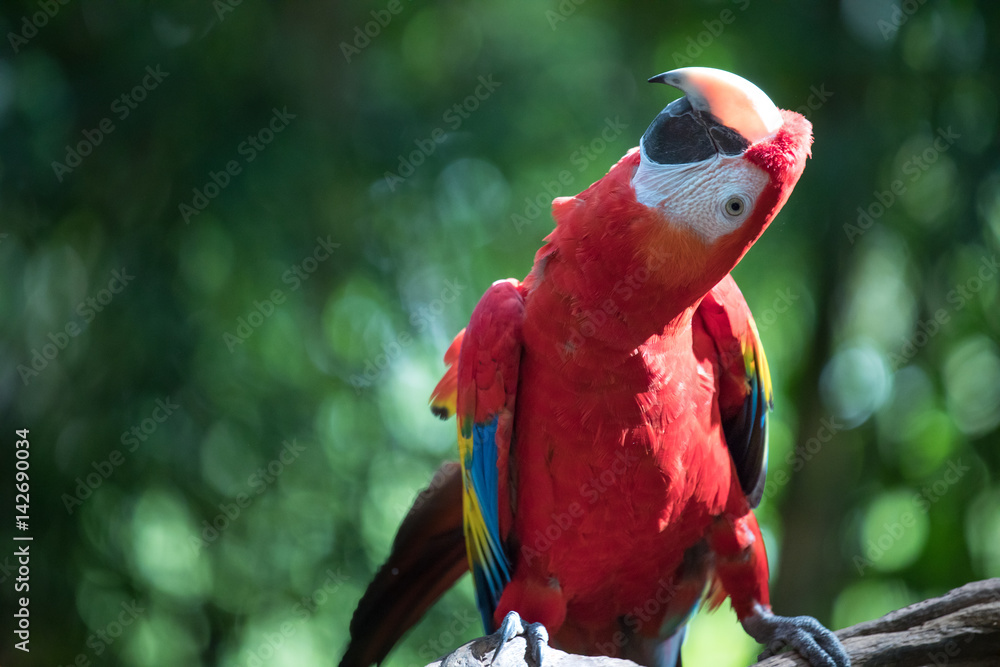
512 626
535 634
803 633
538 639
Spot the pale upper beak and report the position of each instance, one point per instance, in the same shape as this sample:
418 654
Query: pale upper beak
729 99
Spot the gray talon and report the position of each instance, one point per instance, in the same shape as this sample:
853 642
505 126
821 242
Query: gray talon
538 639
512 626
803 633
535 634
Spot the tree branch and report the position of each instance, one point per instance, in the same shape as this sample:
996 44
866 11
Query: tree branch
960 629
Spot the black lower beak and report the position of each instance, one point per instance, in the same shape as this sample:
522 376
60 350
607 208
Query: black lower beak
681 134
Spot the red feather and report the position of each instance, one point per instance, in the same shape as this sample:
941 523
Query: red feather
619 499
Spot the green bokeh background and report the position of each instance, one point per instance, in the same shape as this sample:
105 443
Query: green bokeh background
882 336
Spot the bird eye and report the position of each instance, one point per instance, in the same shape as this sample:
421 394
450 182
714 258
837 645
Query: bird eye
735 206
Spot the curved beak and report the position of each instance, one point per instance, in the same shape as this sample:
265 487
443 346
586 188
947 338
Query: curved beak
729 99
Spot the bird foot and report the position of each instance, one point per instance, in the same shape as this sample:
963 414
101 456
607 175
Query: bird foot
534 633
803 633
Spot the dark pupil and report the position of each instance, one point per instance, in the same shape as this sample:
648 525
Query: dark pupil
735 206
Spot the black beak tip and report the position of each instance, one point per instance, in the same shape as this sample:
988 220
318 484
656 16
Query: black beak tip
659 78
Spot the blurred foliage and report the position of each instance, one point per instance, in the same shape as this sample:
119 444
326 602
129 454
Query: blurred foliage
223 446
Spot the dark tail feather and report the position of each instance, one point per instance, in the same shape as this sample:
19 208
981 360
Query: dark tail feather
653 651
427 558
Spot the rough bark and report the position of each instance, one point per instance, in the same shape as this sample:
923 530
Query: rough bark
959 629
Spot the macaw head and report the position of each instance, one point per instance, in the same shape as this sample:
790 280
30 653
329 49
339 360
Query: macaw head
714 168
676 214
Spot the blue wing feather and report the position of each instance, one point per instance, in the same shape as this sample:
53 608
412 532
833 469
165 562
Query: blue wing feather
491 570
486 386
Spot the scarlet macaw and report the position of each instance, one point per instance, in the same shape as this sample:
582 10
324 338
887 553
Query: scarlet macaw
612 408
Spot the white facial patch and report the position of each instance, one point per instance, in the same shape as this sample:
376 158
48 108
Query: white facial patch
711 198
